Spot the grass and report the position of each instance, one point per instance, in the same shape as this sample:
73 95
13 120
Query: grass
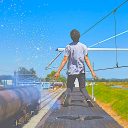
116 98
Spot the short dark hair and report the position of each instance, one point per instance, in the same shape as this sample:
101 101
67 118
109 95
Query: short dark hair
75 35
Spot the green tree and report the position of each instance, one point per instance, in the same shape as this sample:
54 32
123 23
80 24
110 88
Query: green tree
32 71
62 79
24 71
50 77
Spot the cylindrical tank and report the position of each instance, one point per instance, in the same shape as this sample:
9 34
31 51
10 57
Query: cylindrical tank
23 96
16 99
35 94
9 104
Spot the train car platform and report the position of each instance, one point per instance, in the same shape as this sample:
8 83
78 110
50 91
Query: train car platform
76 115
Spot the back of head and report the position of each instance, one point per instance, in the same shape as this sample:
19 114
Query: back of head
75 35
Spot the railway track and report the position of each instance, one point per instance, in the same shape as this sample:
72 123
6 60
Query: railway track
77 115
45 105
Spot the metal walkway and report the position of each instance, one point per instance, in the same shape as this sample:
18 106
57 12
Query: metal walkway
77 115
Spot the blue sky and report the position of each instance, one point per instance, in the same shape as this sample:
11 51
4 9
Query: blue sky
31 30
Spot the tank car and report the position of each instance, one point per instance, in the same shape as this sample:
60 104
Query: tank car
18 104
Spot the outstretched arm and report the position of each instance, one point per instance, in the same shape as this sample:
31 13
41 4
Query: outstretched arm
89 66
64 61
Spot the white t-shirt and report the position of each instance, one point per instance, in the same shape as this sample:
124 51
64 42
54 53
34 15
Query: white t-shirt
76 53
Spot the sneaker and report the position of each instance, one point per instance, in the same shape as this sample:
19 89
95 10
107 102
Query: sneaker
66 101
90 104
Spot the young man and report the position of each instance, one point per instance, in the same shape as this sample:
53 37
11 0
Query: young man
76 53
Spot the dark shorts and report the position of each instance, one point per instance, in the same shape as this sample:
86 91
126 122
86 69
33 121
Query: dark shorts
71 80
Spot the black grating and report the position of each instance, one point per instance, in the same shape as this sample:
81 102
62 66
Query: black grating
76 101
80 117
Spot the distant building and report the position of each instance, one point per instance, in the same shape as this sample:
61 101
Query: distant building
6 80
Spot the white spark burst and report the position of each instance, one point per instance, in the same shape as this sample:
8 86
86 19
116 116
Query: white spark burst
2 25
37 49
50 48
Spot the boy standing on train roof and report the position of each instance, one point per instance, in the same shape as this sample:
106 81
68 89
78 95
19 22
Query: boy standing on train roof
76 53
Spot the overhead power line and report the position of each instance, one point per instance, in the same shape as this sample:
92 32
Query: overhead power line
103 18
92 49
99 69
108 39
110 68
53 60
